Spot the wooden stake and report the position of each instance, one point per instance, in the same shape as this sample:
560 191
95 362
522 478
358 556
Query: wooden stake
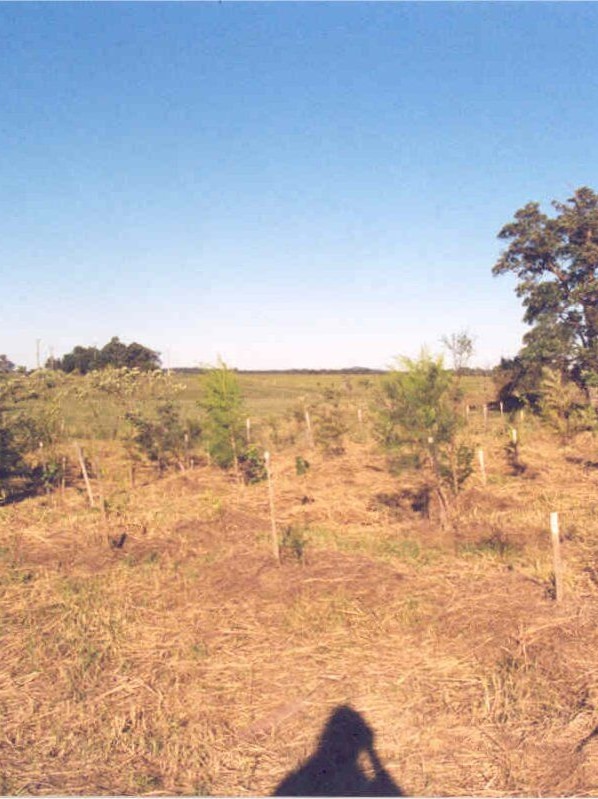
233 444
502 414
63 477
275 546
310 438
85 475
100 488
482 465
44 464
485 412
248 426
514 435
556 556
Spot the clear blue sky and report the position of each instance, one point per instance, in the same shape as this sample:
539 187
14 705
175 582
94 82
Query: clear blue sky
286 185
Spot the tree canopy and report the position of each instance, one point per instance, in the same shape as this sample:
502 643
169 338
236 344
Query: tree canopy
555 259
114 353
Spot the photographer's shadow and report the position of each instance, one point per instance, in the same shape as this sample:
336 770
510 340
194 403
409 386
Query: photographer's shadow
334 769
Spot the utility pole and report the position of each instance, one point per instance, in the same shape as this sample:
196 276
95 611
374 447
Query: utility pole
38 341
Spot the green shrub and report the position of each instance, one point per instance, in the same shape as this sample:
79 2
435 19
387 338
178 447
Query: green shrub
11 461
223 407
294 542
417 420
329 424
252 466
301 465
564 406
164 438
456 464
23 437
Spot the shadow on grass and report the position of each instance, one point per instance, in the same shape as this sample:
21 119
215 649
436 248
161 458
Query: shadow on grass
12 495
334 768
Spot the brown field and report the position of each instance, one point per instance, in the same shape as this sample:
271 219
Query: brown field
187 661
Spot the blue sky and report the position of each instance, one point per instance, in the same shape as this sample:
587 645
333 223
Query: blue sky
282 184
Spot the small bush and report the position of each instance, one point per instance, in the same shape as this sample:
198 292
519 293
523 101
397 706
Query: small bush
330 427
418 421
222 404
163 438
252 466
301 465
456 465
50 474
23 436
564 406
294 542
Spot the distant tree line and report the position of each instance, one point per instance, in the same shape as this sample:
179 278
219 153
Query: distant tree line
115 353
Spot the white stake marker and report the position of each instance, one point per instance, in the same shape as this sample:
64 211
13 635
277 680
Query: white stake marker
275 547
482 465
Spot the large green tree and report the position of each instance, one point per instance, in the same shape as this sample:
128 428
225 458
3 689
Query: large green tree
555 259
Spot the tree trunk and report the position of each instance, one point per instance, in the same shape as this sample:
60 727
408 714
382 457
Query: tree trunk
233 444
440 495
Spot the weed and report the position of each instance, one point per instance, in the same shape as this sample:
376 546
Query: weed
147 782
199 650
495 543
23 576
507 688
294 542
324 615
409 612
301 465
416 500
405 549
148 559
202 788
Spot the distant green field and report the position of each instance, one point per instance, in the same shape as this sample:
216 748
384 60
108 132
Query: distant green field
273 393
267 395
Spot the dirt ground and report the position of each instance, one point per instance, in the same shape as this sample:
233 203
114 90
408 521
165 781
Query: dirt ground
161 650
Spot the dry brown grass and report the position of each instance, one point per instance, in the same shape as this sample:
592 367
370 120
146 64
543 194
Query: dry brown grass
187 662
